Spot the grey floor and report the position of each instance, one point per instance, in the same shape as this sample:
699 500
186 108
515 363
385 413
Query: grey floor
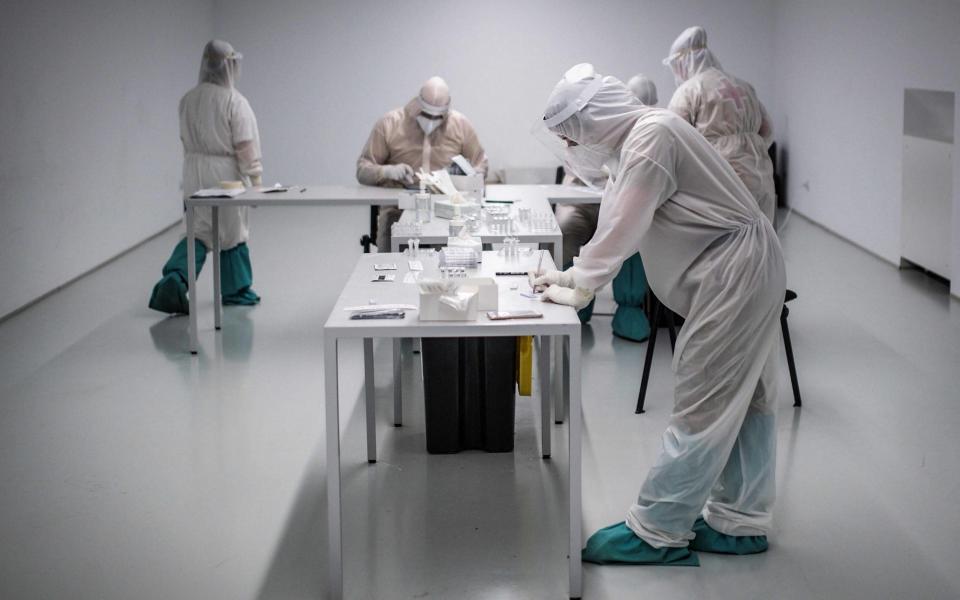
131 470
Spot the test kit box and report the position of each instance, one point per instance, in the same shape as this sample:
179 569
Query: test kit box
432 309
444 207
406 200
481 293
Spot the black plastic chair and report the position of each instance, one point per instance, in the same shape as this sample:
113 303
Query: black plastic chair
661 316
561 173
370 238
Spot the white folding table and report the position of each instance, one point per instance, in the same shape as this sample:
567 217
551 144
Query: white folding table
314 195
571 194
534 197
437 230
334 195
558 321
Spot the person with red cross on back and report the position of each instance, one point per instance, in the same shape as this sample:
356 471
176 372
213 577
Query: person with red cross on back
726 111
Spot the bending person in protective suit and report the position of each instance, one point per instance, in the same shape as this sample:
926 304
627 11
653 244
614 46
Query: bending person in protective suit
712 257
220 143
578 223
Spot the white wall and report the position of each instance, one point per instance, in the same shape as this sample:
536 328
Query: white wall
955 259
90 160
319 74
90 157
841 72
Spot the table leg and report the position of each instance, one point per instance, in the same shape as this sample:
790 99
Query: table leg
397 383
217 301
576 506
369 393
556 251
563 394
558 394
192 278
334 525
543 368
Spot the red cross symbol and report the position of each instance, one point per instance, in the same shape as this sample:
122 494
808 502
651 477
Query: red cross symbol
730 92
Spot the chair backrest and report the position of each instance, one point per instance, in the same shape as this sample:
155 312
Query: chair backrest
527 175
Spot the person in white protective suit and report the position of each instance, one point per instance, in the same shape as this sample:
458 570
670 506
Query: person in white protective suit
426 133
578 222
644 89
220 143
712 257
726 111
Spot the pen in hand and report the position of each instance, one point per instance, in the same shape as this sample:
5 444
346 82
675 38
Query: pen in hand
537 273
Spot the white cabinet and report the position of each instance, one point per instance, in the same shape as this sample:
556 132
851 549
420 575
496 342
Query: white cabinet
926 236
927 204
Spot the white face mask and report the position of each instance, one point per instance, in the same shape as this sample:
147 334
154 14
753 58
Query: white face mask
428 125
588 165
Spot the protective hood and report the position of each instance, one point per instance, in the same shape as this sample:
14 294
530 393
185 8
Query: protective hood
434 97
595 112
644 89
220 64
601 111
689 55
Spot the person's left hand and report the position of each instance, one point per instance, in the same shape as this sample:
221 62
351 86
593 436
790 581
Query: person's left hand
575 297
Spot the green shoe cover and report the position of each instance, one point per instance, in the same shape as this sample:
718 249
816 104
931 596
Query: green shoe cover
710 540
630 323
586 312
170 295
245 297
618 544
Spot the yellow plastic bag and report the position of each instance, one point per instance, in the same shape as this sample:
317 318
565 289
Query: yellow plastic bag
525 365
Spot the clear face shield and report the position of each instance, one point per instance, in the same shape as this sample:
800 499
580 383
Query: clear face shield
590 167
233 67
220 65
675 63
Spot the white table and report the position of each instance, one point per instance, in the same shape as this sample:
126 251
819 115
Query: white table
554 194
437 230
534 197
331 195
314 195
557 320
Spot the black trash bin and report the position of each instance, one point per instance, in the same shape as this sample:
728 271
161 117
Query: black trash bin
469 387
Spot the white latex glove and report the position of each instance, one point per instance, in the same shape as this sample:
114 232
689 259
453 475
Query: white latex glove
550 278
576 297
401 172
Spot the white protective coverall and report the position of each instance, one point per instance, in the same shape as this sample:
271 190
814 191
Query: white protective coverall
220 142
712 257
726 111
399 140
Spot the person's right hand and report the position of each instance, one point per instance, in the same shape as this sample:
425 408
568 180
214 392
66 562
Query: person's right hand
402 173
539 281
